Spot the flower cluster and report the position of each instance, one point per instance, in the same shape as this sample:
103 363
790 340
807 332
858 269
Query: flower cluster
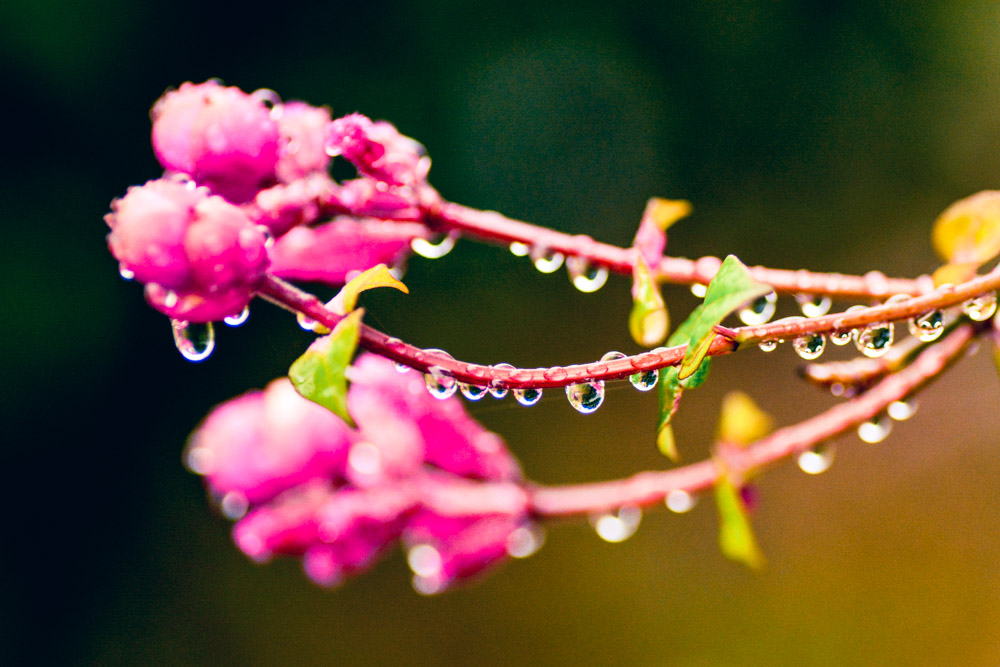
305 484
247 189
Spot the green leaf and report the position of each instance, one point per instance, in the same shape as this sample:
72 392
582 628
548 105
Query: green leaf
736 538
648 322
731 288
320 373
377 276
668 394
741 421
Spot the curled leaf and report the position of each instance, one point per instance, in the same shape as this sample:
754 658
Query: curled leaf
741 421
968 232
320 373
377 276
649 321
736 537
651 238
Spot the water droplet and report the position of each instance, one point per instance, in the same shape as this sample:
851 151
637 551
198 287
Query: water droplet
981 308
841 337
424 560
699 290
439 384
195 340
875 339
768 345
586 277
902 410
497 388
759 310
586 396
680 501
927 327
425 248
525 540
555 374
875 430
234 505
170 299
528 396
612 356
473 392
239 318
809 346
268 235
546 261
644 380
519 249
125 272
617 526
814 305
816 459
401 367
306 322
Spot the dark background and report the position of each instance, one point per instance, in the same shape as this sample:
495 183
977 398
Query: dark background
823 135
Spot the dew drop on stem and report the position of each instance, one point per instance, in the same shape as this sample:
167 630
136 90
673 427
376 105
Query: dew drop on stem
902 410
525 540
519 249
759 310
816 459
927 327
981 308
429 250
768 345
545 260
814 305
617 526
194 340
439 383
239 318
472 392
586 277
875 339
528 396
497 388
809 346
586 396
875 430
680 501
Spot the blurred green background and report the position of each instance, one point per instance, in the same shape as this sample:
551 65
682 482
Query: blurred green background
825 135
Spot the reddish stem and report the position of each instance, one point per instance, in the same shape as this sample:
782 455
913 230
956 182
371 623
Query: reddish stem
647 488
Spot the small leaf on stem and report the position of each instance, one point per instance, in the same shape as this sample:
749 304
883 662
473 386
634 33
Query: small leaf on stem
648 322
968 232
320 373
377 276
741 421
736 538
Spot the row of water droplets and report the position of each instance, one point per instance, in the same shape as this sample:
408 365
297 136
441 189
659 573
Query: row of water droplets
873 340
584 275
585 397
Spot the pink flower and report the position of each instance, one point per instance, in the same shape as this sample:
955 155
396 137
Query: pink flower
339 497
378 150
329 252
198 254
220 136
302 149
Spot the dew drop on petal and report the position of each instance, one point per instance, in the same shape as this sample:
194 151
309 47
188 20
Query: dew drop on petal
473 392
814 305
546 261
645 380
424 560
902 410
586 277
268 235
519 249
239 318
525 540
617 526
699 290
816 460
528 396
927 327
875 339
425 248
195 341
809 346
875 430
981 308
234 505
306 322
759 310
680 501
125 272
586 396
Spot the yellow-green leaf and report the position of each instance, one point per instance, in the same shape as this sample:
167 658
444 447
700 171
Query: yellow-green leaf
377 276
736 538
665 212
730 289
741 421
648 322
320 373
668 395
968 232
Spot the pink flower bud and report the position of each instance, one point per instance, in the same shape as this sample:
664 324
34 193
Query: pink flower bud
288 205
302 150
327 253
378 150
366 197
199 255
221 136
265 442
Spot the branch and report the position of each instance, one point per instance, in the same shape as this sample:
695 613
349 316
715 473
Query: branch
285 295
651 487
